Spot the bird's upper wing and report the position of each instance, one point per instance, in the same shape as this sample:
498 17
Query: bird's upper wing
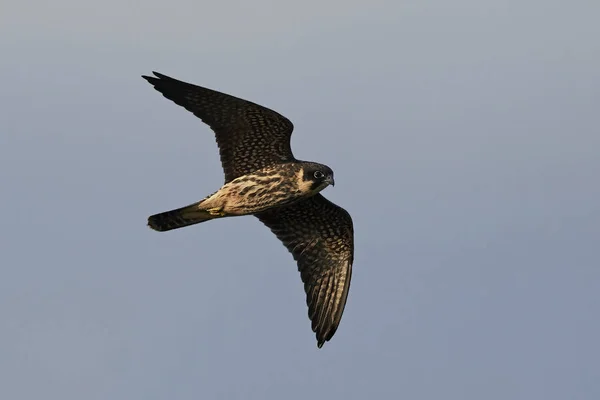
319 234
249 136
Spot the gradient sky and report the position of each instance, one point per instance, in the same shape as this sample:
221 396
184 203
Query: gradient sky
465 138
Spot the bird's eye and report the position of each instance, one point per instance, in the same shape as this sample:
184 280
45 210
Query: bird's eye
319 174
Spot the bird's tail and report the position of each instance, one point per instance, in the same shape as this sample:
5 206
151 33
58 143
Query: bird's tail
184 216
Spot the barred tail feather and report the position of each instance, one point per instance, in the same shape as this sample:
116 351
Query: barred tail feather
184 216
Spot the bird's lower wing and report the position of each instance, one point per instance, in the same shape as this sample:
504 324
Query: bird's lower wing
319 234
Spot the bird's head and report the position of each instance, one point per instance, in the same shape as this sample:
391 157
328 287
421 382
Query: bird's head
318 175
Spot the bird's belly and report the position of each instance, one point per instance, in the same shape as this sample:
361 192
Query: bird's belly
249 196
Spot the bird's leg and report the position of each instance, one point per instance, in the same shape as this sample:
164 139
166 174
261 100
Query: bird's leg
216 211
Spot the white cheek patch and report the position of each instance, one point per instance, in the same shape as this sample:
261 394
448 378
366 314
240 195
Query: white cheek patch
303 185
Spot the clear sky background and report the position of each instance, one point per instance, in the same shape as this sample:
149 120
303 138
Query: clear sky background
465 138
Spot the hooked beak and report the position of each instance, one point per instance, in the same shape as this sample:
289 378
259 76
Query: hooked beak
330 180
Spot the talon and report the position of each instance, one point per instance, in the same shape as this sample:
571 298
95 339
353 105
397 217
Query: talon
217 212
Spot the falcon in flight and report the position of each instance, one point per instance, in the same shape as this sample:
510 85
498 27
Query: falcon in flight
264 179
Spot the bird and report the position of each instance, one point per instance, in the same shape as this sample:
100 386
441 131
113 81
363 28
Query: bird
264 179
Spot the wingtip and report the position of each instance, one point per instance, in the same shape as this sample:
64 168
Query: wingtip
157 76
324 336
321 339
149 79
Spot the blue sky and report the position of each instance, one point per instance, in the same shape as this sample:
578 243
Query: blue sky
465 141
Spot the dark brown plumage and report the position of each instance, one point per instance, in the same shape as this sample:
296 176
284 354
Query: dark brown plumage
319 235
263 178
250 137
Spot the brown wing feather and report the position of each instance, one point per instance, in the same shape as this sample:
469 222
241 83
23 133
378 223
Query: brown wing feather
319 234
249 136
